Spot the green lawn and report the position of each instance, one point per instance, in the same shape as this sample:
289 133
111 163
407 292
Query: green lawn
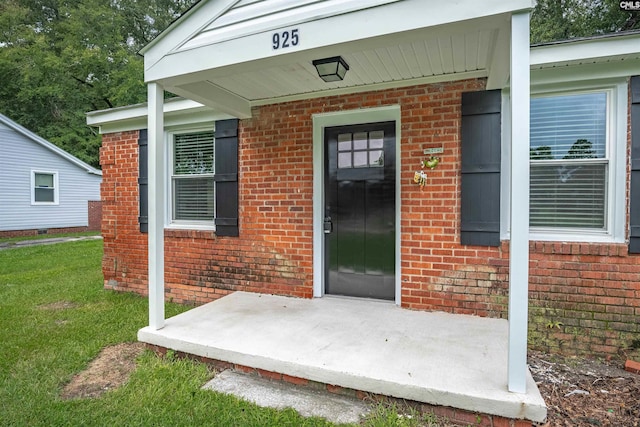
41 348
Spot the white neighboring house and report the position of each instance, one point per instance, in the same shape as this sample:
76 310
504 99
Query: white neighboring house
42 187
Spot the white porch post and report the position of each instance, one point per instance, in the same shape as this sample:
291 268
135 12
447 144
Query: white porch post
519 245
157 171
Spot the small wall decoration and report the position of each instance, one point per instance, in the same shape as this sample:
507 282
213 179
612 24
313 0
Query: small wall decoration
431 162
420 177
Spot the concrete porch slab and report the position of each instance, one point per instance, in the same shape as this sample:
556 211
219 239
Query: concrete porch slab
437 358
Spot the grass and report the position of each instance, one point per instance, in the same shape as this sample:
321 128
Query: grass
43 348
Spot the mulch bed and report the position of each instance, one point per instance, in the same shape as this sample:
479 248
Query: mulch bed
585 393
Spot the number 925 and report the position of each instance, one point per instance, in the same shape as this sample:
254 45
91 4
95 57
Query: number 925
285 39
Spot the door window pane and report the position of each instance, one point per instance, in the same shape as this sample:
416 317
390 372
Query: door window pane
360 141
364 150
376 139
344 160
360 159
376 158
344 142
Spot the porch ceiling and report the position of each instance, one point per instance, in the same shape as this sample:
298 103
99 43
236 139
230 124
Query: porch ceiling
230 64
413 58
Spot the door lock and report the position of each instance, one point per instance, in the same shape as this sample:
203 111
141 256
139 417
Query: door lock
328 225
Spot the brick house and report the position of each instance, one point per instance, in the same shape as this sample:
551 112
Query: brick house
418 177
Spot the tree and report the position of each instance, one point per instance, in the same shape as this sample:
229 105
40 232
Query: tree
553 20
62 58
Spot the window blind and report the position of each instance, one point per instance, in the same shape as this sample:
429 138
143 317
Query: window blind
193 181
569 165
193 153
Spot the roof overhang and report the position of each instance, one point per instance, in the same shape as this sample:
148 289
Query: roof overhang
594 58
222 54
177 112
10 124
601 58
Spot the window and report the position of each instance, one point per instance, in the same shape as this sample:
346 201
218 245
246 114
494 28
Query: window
361 149
44 188
192 178
570 162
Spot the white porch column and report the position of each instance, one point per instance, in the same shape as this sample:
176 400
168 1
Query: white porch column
519 245
157 172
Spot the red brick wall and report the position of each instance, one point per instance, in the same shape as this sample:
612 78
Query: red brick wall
124 263
584 297
95 215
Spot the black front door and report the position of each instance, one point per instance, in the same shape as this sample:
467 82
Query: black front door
360 210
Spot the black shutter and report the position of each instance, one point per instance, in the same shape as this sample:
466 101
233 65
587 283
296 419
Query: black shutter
143 181
480 189
634 199
226 177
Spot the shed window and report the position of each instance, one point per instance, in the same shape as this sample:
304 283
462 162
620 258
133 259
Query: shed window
44 188
192 178
569 156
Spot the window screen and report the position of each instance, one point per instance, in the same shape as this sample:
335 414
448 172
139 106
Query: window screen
193 186
569 164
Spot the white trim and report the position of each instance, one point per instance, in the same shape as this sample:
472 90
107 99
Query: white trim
344 118
519 213
169 222
178 112
157 185
267 17
56 192
617 110
581 51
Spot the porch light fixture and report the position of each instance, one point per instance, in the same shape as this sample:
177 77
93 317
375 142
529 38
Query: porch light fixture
331 69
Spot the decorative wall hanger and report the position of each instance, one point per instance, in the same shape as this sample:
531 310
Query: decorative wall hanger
420 177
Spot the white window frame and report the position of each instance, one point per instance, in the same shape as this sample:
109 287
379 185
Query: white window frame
170 222
56 198
617 111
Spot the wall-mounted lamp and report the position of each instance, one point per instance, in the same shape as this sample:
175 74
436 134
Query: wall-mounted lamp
331 69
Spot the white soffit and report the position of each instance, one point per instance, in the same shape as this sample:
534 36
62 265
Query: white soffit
421 58
222 55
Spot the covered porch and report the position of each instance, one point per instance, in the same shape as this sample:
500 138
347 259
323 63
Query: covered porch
229 56
437 358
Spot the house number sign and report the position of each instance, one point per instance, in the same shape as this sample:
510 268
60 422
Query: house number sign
285 39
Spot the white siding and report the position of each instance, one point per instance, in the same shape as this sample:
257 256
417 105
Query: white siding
20 155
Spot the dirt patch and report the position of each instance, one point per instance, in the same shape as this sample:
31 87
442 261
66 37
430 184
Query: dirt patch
109 370
58 305
584 393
